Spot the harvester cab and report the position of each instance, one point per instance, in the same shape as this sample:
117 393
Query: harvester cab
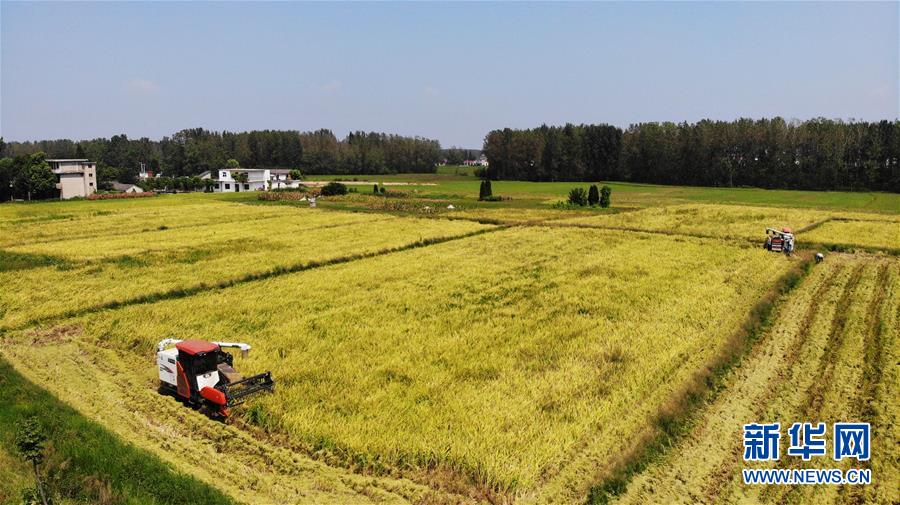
202 374
779 240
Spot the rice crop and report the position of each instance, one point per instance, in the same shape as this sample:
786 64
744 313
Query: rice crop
50 279
518 359
869 234
62 223
725 221
826 357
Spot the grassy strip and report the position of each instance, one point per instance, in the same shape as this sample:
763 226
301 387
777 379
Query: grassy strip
255 276
88 464
675 417
10 261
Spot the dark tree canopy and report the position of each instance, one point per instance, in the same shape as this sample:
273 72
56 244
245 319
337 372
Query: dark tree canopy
192 151
819 154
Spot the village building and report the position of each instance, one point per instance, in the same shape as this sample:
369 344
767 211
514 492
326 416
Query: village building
77 177
258 179
126 188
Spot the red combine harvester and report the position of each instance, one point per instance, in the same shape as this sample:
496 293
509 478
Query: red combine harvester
779 241
201 374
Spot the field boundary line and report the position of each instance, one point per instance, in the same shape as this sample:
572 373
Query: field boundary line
813 226
243 279
675 416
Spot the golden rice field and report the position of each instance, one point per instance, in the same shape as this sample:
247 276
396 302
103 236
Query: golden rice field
869 234
830 356
725 221
514 370
92 272
525 358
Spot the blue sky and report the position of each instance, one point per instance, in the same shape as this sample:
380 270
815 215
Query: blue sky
450 71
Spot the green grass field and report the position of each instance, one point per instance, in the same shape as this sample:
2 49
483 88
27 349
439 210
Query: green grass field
495 352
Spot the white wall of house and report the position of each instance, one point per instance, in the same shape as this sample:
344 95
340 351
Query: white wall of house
257 180
77 177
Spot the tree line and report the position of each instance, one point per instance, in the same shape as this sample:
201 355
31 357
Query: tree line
192 151
819 154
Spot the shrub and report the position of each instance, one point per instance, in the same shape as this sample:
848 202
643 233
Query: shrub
593 195
383 190
604 196
485 192
375 188
578 196
334 189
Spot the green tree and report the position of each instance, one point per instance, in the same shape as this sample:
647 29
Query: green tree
34 178
578 196
241 177
333 189
485 192
296 174
375 188
605 192
29 439
232 163
7 174
593 195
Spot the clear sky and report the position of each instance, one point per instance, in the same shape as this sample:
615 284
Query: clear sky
450 71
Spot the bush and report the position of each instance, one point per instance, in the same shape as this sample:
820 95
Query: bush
334 189
485 192
375 188
578 196
604 196
593 195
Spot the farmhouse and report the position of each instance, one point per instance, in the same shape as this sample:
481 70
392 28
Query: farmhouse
482 161
77 177
126 188
231 180
265 179
281 178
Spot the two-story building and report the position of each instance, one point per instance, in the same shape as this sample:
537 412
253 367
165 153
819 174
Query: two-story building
225 181
258 179
77 177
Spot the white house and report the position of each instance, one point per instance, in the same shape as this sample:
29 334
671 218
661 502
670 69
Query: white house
257 180
482 161
281 178
77 177
126 188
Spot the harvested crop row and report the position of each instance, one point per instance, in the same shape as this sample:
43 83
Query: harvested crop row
495 366
808 367
166 261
